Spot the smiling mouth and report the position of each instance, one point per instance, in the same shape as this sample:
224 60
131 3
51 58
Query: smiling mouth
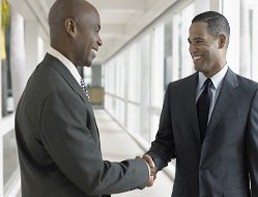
197 57
94 52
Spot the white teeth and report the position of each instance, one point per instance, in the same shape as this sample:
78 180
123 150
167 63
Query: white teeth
197 57
94 51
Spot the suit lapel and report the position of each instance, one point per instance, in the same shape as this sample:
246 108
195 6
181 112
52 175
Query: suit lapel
56 64
223 102
68 77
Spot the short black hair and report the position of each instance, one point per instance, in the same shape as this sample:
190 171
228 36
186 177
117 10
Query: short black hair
217 23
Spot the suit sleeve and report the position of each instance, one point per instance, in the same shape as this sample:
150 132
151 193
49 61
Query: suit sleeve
69 142
252 145
163 148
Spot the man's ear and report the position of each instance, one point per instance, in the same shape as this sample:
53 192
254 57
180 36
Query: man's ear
70 27
222 40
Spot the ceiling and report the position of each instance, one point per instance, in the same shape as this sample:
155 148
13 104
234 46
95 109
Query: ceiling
121 20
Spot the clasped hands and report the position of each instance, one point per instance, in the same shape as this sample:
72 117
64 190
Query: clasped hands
152 168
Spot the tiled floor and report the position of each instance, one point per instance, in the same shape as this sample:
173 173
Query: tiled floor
117 145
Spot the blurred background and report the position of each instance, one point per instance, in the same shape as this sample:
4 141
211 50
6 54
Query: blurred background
144 48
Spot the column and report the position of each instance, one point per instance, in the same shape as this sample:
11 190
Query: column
245 44
31 49
17 54
1 137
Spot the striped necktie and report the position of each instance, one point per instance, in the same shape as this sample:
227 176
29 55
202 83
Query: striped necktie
83 85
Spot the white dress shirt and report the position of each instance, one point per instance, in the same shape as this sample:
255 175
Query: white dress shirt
69 65
215 88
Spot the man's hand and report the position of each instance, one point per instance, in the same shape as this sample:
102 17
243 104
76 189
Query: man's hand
151 163
152 169
150 181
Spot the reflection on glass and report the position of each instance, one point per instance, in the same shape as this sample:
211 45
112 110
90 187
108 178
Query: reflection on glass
168 54
133 118
10 157
145 62
157 69
134 74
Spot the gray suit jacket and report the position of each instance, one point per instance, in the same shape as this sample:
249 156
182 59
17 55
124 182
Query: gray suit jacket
58 141
227 160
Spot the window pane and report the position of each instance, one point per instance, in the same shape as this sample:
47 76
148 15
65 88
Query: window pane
120 76
145 54
186 64
154 125
168 54
133 118
134 73
120 111
157 70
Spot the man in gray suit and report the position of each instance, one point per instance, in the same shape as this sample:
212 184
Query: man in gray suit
216 149
57 136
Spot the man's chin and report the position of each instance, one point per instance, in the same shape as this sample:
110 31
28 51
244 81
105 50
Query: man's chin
197 68
88 64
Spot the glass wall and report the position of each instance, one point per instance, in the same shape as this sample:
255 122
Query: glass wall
168 34
182 62
110 86
248 42
160 54
145 65
157 68
133 89
233 58
243 41
142 72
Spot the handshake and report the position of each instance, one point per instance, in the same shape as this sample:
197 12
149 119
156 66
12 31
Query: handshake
152 169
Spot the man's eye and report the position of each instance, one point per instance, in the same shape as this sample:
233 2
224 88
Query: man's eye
95 29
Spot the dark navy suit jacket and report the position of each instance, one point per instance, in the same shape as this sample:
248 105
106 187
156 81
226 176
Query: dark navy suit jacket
226 164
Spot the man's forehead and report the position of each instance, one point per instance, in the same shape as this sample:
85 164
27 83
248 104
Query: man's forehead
198 28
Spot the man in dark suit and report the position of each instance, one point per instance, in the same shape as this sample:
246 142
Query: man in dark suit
210 128
57 136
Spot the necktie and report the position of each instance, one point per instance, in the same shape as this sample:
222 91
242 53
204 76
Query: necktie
203 105
85 88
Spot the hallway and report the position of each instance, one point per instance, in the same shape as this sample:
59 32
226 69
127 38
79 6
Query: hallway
117 145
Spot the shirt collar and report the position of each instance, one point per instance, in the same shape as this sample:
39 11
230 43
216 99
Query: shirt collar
68 64
216 79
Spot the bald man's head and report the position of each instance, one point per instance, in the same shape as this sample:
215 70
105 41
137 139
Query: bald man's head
74 27
61 10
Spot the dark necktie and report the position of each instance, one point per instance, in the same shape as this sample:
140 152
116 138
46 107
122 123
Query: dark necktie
203 105
85 88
